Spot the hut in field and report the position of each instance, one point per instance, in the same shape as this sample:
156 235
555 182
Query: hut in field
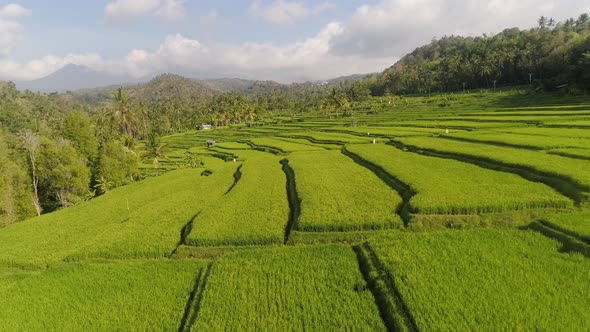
210 143
204 126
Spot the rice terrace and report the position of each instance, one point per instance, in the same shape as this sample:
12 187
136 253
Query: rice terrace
457 200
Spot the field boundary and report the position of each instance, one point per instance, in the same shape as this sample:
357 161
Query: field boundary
237 177
317 141
549 224
292 198
562 184
264 148
392 309
191 310
403 189
568 243
496 143
568 155
184 232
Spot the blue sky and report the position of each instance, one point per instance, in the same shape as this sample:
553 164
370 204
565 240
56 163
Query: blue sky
284 40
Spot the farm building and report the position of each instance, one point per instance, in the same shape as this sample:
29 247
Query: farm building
204 126
210 143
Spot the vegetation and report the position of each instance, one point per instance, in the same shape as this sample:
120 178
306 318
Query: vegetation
445 186
439 274
253 211
283 146
106 296
526 141
140 220
548 56
318 288
577 224
577 171
337 194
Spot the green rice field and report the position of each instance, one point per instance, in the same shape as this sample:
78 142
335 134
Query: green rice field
404 215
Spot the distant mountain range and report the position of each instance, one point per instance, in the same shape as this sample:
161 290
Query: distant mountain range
75 77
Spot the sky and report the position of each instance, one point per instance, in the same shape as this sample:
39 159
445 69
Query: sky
282 40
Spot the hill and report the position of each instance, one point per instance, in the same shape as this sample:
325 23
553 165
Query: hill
549 57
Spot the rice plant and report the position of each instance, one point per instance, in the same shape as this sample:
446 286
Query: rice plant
254 211
487 280
314 288
445 186
338 194
132 295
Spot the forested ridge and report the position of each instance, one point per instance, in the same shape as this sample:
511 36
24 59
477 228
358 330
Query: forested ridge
57 150
549 56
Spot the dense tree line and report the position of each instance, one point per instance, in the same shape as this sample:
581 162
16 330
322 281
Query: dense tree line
551 56
54 154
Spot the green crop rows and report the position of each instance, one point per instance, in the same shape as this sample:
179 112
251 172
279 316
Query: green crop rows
254 211
487 280
445 186
134 295
306 288
337 194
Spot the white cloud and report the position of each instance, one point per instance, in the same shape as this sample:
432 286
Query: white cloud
125 10
172 10
396 27
10 35
14 10
283 12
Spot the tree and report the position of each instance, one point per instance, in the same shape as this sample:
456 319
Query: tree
15 192
542 22
117 165
77 128
64 177
335 102
32 143
121 117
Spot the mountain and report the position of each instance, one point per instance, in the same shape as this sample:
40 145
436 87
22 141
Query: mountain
347 79
74 77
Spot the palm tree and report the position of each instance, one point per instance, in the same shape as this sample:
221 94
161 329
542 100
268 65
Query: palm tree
122 111
120 117
542 22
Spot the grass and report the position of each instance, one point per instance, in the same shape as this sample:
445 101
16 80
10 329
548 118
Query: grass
577 171
233 146
283 146
338 195
254 212
143 219
577 224
487 280
527 141
451 124
578 123
307 142
315 288
331 138
444 186
389 131
571 153
133 295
